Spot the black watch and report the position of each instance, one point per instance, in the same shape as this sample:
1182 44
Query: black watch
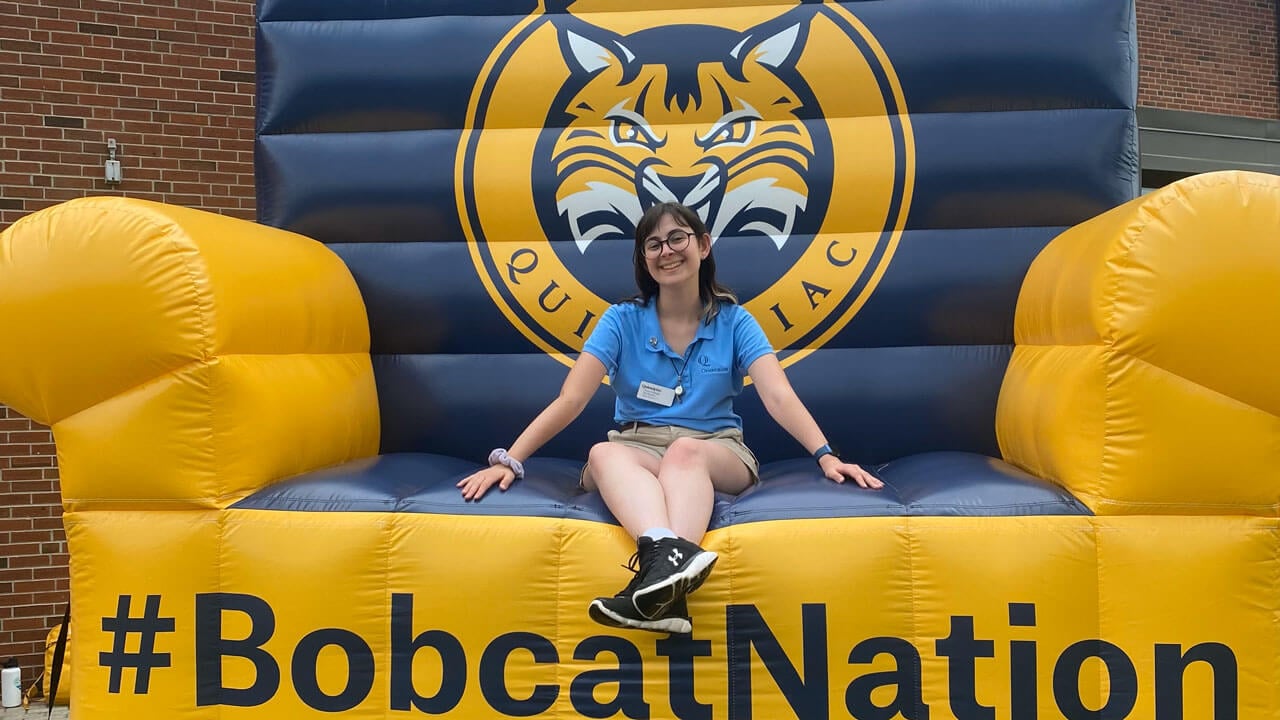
824 450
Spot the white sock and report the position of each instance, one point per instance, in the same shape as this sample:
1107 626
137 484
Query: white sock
657 533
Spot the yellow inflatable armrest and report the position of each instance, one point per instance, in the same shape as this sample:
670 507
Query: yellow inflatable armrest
179 355
1147 340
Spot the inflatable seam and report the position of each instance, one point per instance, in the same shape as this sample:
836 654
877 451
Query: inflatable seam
208 361
170 228
1103 679
119 504
907 528
561 606
1159 505
731 648
1105 444
1060 344
124 391
302 132
1213 390
744 516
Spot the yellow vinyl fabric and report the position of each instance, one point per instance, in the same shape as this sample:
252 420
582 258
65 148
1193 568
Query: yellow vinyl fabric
1143 377
270 614
236 355
46 676
221 354
187 608
185 360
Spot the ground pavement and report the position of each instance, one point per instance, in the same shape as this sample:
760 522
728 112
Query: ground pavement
38 711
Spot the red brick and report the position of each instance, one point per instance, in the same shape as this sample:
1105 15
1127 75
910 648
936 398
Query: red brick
51 522
24 509
1187 63
26 623
47 600
34 586
34 537
18 562
29 436
31 461
30 487
28 609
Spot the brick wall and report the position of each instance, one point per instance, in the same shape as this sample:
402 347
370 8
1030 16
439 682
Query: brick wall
172 82
1212 56
33 564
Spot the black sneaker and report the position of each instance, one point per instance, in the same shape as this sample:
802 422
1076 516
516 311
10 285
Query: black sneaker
669 569
618 611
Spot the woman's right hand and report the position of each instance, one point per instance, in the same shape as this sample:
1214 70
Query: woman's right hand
475 485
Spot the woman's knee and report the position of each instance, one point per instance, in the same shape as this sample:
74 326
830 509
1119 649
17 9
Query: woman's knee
600 454
686 452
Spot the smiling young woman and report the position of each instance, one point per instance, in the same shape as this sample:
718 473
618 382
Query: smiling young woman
676 355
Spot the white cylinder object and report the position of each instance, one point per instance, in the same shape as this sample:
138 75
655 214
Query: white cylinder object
11 687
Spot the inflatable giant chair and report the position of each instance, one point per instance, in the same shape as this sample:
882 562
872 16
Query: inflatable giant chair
930 207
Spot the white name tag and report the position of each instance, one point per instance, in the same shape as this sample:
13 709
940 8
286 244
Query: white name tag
663 396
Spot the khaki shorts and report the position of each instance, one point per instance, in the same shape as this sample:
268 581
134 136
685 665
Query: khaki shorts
655 439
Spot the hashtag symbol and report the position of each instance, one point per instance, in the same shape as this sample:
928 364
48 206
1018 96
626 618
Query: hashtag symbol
146 628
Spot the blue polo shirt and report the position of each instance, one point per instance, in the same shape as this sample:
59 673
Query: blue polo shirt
628 340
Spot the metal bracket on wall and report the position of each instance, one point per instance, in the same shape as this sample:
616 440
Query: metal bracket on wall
112 171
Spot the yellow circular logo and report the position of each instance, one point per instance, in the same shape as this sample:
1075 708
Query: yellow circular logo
784 128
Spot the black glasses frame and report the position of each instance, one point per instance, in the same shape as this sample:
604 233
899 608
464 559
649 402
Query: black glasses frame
677 241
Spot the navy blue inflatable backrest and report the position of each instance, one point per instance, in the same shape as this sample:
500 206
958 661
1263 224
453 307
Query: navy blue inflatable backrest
877 175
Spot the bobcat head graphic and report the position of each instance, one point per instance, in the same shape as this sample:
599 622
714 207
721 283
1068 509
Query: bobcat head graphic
713 118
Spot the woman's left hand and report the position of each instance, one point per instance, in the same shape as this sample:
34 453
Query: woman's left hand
475 485
836 469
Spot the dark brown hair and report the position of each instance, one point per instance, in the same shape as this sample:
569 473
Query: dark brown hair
710 292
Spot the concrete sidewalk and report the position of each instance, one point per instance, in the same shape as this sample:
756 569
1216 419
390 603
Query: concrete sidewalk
38 711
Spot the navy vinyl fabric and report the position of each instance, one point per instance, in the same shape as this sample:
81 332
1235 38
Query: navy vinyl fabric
425 483
1022 123
952 55
928 484
909 400
938 484
943 288
988 170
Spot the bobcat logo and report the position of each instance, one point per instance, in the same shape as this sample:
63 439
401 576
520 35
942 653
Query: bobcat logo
782 127
712 118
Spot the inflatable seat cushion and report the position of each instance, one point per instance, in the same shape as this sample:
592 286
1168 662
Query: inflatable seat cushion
939 483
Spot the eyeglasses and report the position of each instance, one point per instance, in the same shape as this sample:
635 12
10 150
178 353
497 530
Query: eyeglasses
676 241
